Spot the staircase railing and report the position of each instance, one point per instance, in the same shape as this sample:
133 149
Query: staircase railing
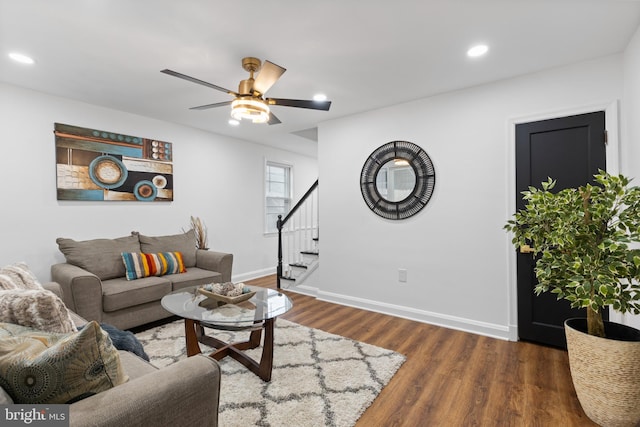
297 230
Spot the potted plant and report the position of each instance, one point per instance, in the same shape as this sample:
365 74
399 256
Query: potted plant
585 241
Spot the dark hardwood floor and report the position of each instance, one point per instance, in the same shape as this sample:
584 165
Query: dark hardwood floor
451 378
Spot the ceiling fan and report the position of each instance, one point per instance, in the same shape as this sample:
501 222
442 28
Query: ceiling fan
249 102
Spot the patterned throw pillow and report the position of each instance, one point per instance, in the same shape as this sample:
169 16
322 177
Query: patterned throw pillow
36 308
41 368
140 265
185 243
18 276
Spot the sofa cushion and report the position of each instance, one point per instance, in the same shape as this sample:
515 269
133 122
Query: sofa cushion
184 243
101 257
138 265
134 366
43 368
194 276
18 276
125 340
77 320
121 293
5 399
37 308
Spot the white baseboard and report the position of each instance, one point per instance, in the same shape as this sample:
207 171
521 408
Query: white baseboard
503 332
305 290
513 333
452 322
253 274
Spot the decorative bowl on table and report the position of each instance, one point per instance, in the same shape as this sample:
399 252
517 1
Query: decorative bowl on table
229 293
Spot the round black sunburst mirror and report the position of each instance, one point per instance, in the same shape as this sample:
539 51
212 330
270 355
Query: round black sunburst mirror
397 180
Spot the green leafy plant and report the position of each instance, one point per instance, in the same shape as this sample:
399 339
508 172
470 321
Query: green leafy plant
585 242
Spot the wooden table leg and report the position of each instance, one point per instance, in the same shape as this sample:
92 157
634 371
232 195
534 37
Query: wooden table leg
266 361
254 340
191 335
235 350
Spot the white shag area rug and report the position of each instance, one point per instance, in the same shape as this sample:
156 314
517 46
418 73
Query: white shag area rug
318 379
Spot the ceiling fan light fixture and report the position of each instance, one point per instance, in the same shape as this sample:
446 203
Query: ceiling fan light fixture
252 109
248 102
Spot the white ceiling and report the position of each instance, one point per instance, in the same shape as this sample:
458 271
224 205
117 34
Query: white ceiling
363 55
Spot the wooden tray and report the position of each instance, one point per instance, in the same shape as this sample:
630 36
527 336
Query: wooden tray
226 299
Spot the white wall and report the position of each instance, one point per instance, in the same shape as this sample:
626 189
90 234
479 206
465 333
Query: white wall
630 144
455 250
217 178
630 147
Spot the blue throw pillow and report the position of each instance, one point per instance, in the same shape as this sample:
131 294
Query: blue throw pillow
125 340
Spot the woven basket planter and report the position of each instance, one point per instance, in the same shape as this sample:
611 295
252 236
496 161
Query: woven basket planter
606 372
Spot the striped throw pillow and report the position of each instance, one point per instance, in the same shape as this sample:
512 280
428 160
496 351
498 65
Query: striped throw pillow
140 265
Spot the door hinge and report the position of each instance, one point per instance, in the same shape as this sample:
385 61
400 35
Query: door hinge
606 138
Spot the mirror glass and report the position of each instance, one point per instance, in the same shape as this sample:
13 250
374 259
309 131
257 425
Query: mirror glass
395 180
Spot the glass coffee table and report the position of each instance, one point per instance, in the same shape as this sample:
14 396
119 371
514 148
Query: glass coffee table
253 315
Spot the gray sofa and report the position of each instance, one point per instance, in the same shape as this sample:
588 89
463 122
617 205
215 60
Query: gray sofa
186 393
94 284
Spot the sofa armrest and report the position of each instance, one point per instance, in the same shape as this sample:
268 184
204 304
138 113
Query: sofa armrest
215 261
55 288
81 290
186 393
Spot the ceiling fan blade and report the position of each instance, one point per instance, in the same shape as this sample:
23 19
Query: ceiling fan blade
299 103
268 75
273 120
207 106
198 81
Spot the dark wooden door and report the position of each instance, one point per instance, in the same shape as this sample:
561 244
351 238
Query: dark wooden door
569 150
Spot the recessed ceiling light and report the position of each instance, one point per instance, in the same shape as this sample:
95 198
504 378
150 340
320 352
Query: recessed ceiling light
19 57
233 122
319 97
478 50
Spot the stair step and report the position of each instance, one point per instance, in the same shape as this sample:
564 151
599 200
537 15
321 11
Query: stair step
310 252
299 265
316 239
288 278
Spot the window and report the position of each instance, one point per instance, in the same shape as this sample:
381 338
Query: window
277 194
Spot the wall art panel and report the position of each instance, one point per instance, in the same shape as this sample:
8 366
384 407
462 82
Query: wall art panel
99 165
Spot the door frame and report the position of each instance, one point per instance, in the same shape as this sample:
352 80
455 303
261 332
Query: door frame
611 110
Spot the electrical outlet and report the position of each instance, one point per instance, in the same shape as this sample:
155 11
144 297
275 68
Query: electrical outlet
402 275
